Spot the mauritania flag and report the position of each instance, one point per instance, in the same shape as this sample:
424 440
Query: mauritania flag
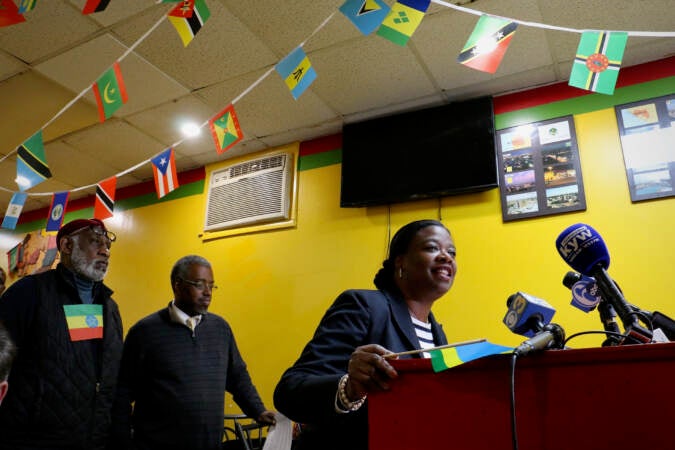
596 65
188 26
31 163
57 211
94 6
225 129
164 169
14 210
487 44
403 19
85 321
110 92
297 72
26 5
454 356
366 15
105 198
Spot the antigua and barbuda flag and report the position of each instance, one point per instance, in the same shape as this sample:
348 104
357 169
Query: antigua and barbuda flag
31 163
57 211
110 92
85 321
225 129
447 358
598 60
26 5
94 6
188 22
402 21
164 169
487 44
14 210
105 199
366 15
9 14
297 72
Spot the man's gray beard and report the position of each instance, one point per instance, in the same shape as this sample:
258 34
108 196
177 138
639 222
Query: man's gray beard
86 268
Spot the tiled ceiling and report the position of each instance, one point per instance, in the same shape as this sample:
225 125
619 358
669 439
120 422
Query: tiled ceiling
53 57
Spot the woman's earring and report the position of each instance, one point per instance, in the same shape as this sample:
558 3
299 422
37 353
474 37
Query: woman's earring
400 272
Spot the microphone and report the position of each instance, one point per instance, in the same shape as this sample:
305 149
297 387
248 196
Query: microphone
526 314
552 336
584 250
584 291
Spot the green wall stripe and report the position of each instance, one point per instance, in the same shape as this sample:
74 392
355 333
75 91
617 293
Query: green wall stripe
322 159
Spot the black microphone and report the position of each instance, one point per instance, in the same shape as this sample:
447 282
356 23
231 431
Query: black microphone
552 336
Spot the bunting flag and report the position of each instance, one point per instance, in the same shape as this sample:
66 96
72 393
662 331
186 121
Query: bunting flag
402 21
14 210
57 211
225 129
296 71
9 14
596 65
487 44
366 15
185 9
447 358
105 198
164 169
13 257
85 321
26 5
188 27
31 163
110 92
94 6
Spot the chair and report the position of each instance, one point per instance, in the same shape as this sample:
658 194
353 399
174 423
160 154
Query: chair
243 433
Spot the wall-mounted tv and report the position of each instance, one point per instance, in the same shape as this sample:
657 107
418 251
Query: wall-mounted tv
435 152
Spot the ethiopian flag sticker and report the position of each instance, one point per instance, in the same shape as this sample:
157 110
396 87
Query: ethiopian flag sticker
84 321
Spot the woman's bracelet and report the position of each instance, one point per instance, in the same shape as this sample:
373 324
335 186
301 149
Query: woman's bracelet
345 404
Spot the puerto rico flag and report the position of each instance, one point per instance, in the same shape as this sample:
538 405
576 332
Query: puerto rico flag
164 169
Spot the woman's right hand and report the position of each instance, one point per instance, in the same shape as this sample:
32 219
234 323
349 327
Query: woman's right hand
368 371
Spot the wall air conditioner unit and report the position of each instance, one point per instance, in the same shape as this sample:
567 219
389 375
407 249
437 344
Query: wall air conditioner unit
250 192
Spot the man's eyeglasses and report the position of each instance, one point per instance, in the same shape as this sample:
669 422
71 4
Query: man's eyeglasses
101 236
200 284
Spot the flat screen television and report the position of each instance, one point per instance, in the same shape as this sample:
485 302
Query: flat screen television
435 152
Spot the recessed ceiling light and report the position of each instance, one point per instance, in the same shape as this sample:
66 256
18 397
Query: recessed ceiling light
190 129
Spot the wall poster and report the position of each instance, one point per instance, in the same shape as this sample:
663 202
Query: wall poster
540 170
647 130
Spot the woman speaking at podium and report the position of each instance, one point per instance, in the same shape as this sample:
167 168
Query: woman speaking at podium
326 389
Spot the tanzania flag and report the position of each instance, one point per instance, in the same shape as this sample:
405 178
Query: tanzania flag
366 15
31 163
14 210
596 65
188 27
13 257
403 19
84 321
487 44
9 13
57 211
105 198
110 92
164 169
297 72
26 5
225 129
94 6
454 356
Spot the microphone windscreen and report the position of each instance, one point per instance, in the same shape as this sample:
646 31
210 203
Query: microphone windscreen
582 248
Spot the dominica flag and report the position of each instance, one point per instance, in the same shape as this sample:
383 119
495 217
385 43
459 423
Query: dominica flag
164 170
402 21
31 163
598 60
84 321
14 210
447 358
110 92
366 15
26 5
225 129
188 22
57 211
297 72
487 44
105 198
9 14
94 6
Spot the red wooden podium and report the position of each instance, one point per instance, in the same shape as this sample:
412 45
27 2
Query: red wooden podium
614 398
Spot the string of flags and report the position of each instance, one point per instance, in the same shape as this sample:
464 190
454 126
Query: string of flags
596 68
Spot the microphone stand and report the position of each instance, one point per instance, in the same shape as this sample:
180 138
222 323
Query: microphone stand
608 319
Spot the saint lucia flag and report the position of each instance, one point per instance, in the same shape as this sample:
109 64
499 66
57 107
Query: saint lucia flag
85 321
487 44
57 211
31 163
447 358
297 72
105 198
225 129
366 15
403 19
164 169
596 65
14 210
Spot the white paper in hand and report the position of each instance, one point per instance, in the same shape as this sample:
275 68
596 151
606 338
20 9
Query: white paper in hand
279 436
